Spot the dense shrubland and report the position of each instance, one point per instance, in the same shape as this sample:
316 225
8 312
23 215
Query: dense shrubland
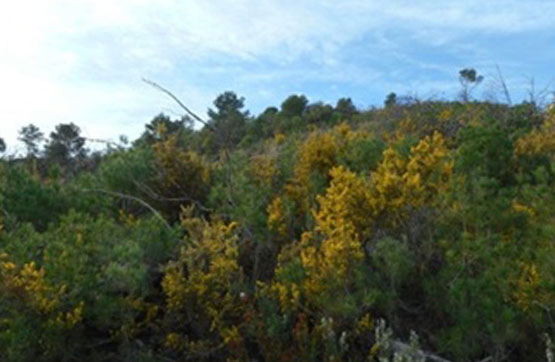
307 233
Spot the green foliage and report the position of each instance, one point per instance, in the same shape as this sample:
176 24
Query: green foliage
469 80
294 105
161 127
318 113
108 267
228 121
31 136
486 152
25 198
286 237
65 143
363 155
345 108
390 100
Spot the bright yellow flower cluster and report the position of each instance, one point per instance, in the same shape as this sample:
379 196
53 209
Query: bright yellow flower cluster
263 168
287 294
348 210
127 218
320 149
28 283
445 115
527 286
520 208
428 170
345 201
29 280
279 139
179 166
276 216
333 247
204 272
318 153
399 182
132 327
364 324
540 140
70 319
173 341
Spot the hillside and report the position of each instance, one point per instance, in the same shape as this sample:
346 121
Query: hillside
309 232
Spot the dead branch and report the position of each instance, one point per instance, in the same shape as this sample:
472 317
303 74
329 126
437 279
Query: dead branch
503 84
156 196
178 101
106 142
133 198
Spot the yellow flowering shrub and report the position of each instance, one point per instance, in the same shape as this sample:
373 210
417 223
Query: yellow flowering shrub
201 281
180 171
30 282
263 168
521 208
70 319
399 182
347 211
428 170
279 138
204 272
345 201
276 216
445 115
327 254
540 140
318 153
527 286
333 247
28 285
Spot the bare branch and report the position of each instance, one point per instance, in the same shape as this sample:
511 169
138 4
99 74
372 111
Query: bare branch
154 195
178 101
501 81
106 142
539 97
133 198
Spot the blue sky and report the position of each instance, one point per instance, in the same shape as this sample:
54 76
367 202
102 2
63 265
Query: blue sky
82 61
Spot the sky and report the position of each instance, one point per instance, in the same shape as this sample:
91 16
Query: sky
82 61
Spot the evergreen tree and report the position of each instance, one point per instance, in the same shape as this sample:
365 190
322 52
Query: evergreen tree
65 145
346 107
161 127
228 119
31 136
294 105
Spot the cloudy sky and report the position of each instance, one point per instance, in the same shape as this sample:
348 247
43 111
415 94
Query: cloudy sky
82 61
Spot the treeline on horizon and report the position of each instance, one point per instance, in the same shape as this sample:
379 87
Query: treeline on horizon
419 231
